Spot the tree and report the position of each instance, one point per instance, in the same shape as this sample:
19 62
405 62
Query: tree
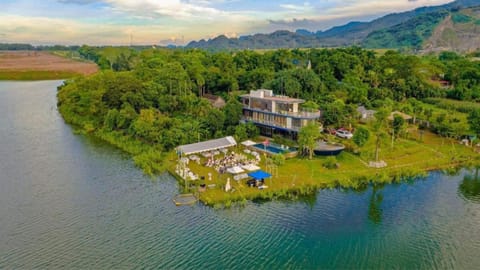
398 126
334 113
361 136
378 129
278 159
309 105
233 112
110 121
241 132
307 138
254 79
122 63
144 126
252 130
357 90
417 108
117 85
214 122
474 121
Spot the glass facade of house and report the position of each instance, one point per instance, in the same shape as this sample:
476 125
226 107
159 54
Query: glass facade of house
276 114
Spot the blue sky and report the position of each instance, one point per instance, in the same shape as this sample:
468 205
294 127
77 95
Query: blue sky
116 22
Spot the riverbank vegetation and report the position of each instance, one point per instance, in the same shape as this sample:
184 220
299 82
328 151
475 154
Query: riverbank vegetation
35 75
148 102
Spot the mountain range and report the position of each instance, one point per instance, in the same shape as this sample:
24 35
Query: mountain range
454 26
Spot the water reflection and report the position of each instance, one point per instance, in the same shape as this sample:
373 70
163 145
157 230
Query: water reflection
70 202
469 188
375 204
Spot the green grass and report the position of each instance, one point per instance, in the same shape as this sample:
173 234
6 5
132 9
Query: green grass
450 104
407 158
461 18
33 75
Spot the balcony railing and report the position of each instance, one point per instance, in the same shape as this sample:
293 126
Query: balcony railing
270 123
300 114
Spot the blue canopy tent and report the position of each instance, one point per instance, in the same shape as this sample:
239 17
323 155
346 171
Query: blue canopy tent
259 175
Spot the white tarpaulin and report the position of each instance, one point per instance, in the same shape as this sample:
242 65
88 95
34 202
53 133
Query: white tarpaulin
235 170
251 167
207 146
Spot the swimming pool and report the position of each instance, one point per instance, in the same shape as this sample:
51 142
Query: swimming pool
273 148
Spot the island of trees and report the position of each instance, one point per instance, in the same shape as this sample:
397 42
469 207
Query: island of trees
149 101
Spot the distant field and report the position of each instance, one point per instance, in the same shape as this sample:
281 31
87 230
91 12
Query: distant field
33 65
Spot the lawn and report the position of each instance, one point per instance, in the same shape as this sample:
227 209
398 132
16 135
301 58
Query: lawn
298 176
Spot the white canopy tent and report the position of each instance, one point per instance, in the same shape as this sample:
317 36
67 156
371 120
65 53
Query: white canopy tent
206 146
251 167
248 143
235 170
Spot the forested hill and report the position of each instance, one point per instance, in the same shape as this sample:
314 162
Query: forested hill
411 29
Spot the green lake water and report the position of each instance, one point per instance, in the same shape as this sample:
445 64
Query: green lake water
67 201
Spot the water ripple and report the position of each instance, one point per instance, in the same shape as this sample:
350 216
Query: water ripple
71 202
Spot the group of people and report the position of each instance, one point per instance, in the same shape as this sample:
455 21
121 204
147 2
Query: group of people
229 160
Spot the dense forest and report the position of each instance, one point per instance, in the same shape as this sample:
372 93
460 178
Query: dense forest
411 33
150 101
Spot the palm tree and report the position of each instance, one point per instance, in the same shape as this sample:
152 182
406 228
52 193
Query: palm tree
378 129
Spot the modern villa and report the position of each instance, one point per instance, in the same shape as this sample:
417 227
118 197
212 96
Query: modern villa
275 114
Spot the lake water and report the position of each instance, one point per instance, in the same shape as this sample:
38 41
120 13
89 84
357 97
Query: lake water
67 201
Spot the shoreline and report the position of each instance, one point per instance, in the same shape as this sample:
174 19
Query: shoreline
353 174
300 176
378 177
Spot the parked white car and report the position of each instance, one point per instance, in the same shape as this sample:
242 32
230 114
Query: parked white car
344 134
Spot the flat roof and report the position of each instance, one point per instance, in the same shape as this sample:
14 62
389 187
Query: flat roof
206 146
277 99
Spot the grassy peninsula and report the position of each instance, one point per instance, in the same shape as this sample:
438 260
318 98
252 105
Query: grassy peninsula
148 102
407 159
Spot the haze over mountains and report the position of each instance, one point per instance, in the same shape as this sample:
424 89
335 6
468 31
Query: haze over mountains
454 26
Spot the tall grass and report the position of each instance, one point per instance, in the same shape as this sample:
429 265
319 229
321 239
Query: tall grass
33 75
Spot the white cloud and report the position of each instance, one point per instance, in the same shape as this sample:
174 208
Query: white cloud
370 7
177 9
42 30
152 21
306 7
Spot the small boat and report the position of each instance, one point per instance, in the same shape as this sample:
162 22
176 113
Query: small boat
328 148
185 199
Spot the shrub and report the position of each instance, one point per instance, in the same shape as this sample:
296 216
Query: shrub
278 159
89 127
361 136
330 163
